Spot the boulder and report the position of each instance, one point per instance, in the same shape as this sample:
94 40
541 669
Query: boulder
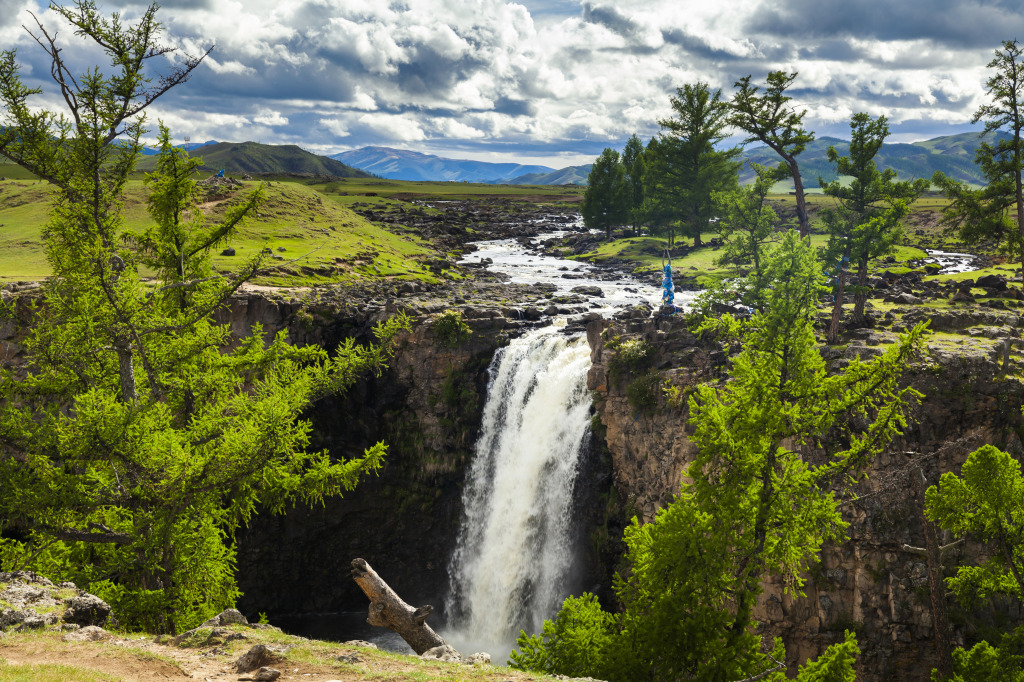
962 296
588 290
228 252
266 674
445 652
226 617
907 299
256 657
89 633
86 609
997 282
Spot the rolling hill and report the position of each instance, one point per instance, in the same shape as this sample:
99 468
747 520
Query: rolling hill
951 154
401 164
256 158
570 175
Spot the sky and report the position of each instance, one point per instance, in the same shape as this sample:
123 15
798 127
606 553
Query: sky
550 82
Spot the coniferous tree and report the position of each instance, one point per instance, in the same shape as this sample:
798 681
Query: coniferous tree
607 197
747 221
633 162
139 435
865 223
995 211
685 168
769 119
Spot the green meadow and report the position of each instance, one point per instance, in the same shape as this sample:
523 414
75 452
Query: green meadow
309 227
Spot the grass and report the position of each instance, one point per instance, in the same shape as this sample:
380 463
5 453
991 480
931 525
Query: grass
311 221
330 241
131 656
49 672
646 253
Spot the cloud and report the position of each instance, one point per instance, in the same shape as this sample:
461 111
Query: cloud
965 23
568 76
269 117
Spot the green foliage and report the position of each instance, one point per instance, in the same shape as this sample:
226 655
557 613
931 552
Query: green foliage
768 118
450 329
574 644
752 506
631 356
835 665
984 662
747 220
986 501
606 202
636 167
642 393
685 167
995 211
865 223
142 435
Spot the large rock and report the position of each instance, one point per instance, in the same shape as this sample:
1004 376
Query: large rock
86 609
588 290
226 617
90 633
258 656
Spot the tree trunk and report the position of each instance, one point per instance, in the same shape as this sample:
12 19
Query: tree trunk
837 307
126 370
387 610
940 618
801 202
861 297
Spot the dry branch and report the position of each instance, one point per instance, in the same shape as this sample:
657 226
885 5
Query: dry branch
387 610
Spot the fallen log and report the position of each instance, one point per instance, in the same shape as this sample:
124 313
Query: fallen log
387 610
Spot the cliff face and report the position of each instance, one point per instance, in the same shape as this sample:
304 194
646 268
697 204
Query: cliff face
403 521
869 584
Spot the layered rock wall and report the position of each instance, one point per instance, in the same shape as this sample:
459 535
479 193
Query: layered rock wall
869 584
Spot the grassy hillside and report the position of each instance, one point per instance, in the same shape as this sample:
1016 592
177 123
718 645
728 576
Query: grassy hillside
329 241
253 157
309 221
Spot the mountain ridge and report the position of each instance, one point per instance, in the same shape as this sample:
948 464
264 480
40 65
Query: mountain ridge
952 154
403 164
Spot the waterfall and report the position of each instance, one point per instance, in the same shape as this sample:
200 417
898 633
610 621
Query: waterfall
514 556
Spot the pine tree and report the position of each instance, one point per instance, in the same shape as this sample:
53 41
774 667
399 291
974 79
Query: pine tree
866 222
139 435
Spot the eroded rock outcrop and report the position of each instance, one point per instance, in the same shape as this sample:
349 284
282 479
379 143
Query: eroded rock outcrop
870 583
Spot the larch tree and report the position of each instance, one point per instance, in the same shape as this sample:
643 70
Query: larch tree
138 435
633 162
770 119
747 220
606 200
865 223
686 167
995 211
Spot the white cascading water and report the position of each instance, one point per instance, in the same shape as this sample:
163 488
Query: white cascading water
514 555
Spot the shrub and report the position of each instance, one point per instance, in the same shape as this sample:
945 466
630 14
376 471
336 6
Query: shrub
632 356
450 329
642 394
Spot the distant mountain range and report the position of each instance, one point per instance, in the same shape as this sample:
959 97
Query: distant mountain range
401 164
253 157
570 175
952 154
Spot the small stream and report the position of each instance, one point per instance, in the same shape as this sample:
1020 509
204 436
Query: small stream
508 257
951 262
